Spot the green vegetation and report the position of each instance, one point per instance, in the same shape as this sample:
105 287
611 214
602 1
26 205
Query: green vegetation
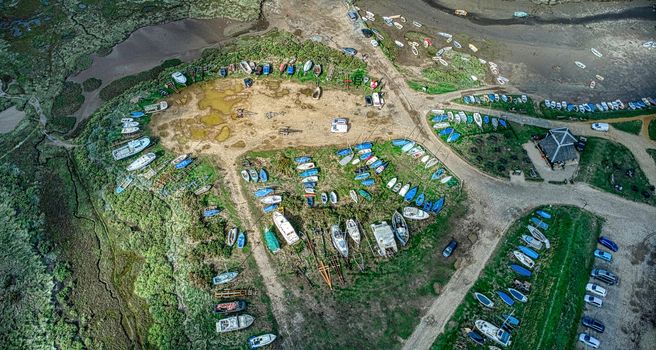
652 153
652 129
514 104
117 87
68 101
381 299
61 124
549 319
495 152
632 127
91 84
611 167
550 113
456 76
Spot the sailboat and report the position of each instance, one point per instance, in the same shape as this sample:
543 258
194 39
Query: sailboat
353 231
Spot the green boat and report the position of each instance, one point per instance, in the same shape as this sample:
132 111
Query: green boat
271 241
366 195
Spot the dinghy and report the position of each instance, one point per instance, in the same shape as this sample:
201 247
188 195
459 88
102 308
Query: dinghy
400 142
271 199
366 195
368 182
397 187
476 337
270 208
129 130
317 72
438 205
184 163
446 179
400 228
453 137
234 323
231 237
310 172
427 206
241 240
253 174
245 67
518 295
425 158
541 224
528 252
503 123
364 145
420 199
229 307
506 298
447 131
391 183
224 278
478 120
263 192
264 176
353 231
410 195
309 179
431 163
137 114
344 161
485 301
440 126
543 214
324 198
344 151
261 340
495 123
408 146
371 160
509 320
305 166
414 213
438 173
520 270
579 64
309 199
525 260
305 159
307 66
353 195
333 197
532 242
404 190
537 234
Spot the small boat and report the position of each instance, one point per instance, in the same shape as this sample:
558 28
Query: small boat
391 183
438 205
420 199
520 14
363 145
518 295
364 151
354 196
579 64
179 78
309 190
408 146
344 161
179 158
410 195
371 160
503 123
309 179
368 182
596 52
397 187
446 179
245 67
414 50
184 163
473 48
223 72
476 337
381 168
155 107
137 114
131 148
438 173
457 45
400 228
264 175
362 176
271 199
317 71
253 174
506 298
290 69
453 137
425 158
333 197
528 252
123 184
485 301
261 340
400 142
446 131
520 270
324 198
307 66
303 159
129 130
376 164
229 307
366 195
431 163
316 94
270 208
231 237
305 166
234 323
282 67
414 213
404 190
537 234
525 260
593 84
202 190
309 172
263 192
493 332
541 224
543 214
342 152
398 25
427 206
599 77
366 156
130 124
478 120
353 231
339 240
142 162
309 184
495 123
224 278
532 242
440 126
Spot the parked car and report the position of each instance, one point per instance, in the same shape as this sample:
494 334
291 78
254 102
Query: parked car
448 250
596 289
589 340
608 243
603 127
593 300
339 125
592 323
603 255
604 276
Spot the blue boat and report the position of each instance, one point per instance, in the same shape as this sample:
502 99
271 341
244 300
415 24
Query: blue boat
503 123
420 199
446 131
368 182
438 205
541 224
510 320
241 240
381 168
491 96
310 172
376 164
453 137
483 299
529 252
310 201
366 195
303 159
137 114
486 119
400 142
183 164
504 98
208 213
309 184
364 145
365 155
411 194
270 208
263 192
439 118
266 70
520 270
290 69
264 176
438 174
344 152
543 214
476 338
506 298
427 206
519 296
223 72
361 176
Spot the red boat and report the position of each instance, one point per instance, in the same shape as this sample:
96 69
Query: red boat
282 67
230 307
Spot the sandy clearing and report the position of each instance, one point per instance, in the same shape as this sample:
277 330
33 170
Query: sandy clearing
9 119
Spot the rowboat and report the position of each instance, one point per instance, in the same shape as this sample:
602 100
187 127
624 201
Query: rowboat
142 162
440 126
410 195
309 184
518 295
371 160
446 131
271 199
495 123
270 208
364 151
381 168
317 72
475 337
245 67
438 173
404 190
537 234
543 214
363 145
432 162
420 199
309 199
446 179
596 52
427 206
438 205
509 320
391 183
305 159
316 94
309 172
229 307
130 124
129 130
234 323
366 195
397 187
408 146
202 190
309 179
264 176
478 120
309 190
503 123
506 298
307 66
253 174
425 158
541 224
263 192
532 242
453 137
179 158
579 64
376 164
528 252
525 260
333 197
414 213
485 301
520 270
261 340
339 240
366 155
137 114
324 198
414 50
344 161
224 278
400 228
353 195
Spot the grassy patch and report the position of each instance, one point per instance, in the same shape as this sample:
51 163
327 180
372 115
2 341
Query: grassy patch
555 302
91 84
514 104
456 76
652 129
62 124
119 86
607 164
495 152
632 127
68 101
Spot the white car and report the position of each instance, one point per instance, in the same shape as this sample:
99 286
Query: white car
589 340
593 300
339 125
603 127
596 289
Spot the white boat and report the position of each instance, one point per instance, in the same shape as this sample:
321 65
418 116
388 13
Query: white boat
414 213
440 125
313 178
142 161
425 158
398 25
346 159
130 124
285 228
126 120
532 242
415 51
599 77
446 179
524 259
445 35
129 130
408 146
416 24
579 64
593 84
307 66
131 148
234 323
271 199
311 191
431 163
391 183
224 278
261 340
442 62
179 158
457 45
364 151
355 161
596 52
353 231
404 190
156 107
398 43
478 120
539 236
245 67
493 332
371 160
354 196
339 240
397 187
473 48
305 166
179 78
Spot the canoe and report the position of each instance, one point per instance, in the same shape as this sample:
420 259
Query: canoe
224 278
446 179
543 214
361 176
366 195
400 228
420 199
271 199
524 259
229 307
253 174
231 237
310 172
404 190
333 197
364 145
344 151
263 192
518 295
397 187
438 205
353 195
324 198
476 337
241 240
303 159
532 242
346 159
270 208
414 213
309 179
234 323
541 224
400 142
261 340
528 252
438 173
427 206
264 176
520 270
431 163
353 231
408 147
484 300
391 183
506 298
368 182
305 166
411 194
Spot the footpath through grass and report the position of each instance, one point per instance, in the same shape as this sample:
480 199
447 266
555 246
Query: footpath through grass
632 127
549 319
611 167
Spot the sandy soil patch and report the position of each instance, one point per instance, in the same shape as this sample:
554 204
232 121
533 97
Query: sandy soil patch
9 119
